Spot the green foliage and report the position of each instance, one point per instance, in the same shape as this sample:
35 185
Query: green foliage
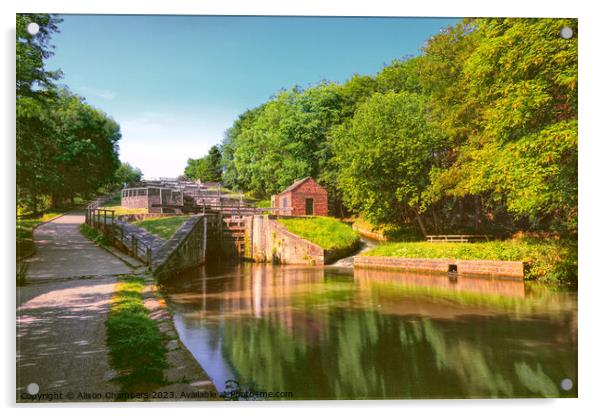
515 127
93 235
384 155
25 227
328 233
65 148
549 260
126 175
164 227
31 51
207 168
281 141
134 341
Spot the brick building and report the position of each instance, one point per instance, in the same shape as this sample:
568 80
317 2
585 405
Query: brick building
303 197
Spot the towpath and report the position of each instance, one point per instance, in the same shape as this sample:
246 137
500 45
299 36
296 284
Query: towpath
61 312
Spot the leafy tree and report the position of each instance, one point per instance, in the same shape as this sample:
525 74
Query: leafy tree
127 175
520 148
207 168
64 146
385 153
31 51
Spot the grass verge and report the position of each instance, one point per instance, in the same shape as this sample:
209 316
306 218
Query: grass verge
328 233
25 227
134 340
93 235
164 227
548 260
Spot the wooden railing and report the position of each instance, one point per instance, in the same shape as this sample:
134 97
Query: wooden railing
103 221
456 238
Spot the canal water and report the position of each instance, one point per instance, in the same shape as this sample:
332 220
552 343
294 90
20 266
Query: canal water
336 333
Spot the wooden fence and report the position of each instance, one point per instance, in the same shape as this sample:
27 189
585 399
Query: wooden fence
103 221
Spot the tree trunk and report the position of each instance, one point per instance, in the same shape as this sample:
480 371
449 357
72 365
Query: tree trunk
477 212
34 204
420 223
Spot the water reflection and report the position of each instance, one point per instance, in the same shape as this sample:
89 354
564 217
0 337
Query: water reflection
330 333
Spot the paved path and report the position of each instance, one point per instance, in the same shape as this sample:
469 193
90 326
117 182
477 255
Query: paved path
60 323
61 251
61 338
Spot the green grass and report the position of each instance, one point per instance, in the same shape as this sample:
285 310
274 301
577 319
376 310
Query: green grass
549 260
164 227
25 244
134 340
328 233
91 234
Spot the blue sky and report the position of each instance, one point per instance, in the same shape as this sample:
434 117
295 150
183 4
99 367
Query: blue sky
176 83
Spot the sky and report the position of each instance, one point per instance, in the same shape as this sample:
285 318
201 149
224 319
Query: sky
176 83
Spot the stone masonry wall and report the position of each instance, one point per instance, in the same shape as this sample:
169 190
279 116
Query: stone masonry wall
186 249
467 267
268 241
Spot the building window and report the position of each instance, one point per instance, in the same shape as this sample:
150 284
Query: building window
285 203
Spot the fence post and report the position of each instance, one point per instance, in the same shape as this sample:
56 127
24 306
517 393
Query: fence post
134 244
112 217
149 257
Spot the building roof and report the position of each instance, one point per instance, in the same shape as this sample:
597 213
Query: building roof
296 184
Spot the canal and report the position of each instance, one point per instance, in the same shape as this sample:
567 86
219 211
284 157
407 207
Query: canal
327 332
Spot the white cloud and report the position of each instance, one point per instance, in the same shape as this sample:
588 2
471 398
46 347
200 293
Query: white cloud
161 143
104 94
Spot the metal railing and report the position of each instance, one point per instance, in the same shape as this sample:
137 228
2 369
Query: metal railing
103 221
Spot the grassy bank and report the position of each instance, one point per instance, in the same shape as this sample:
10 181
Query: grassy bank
164 227
25 227
328 233
549 260
134 340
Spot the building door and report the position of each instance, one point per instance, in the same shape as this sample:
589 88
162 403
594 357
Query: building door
309 206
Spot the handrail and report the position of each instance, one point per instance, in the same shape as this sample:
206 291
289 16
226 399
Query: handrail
103 220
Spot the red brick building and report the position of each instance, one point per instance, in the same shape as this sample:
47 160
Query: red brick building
303 197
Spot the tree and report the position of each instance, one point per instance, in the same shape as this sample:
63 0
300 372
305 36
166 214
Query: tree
385 154
519 81
215 164
207 168
31 51
127 175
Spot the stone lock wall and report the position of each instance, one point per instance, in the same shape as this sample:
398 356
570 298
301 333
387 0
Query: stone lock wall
186 249
268 241
466 267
